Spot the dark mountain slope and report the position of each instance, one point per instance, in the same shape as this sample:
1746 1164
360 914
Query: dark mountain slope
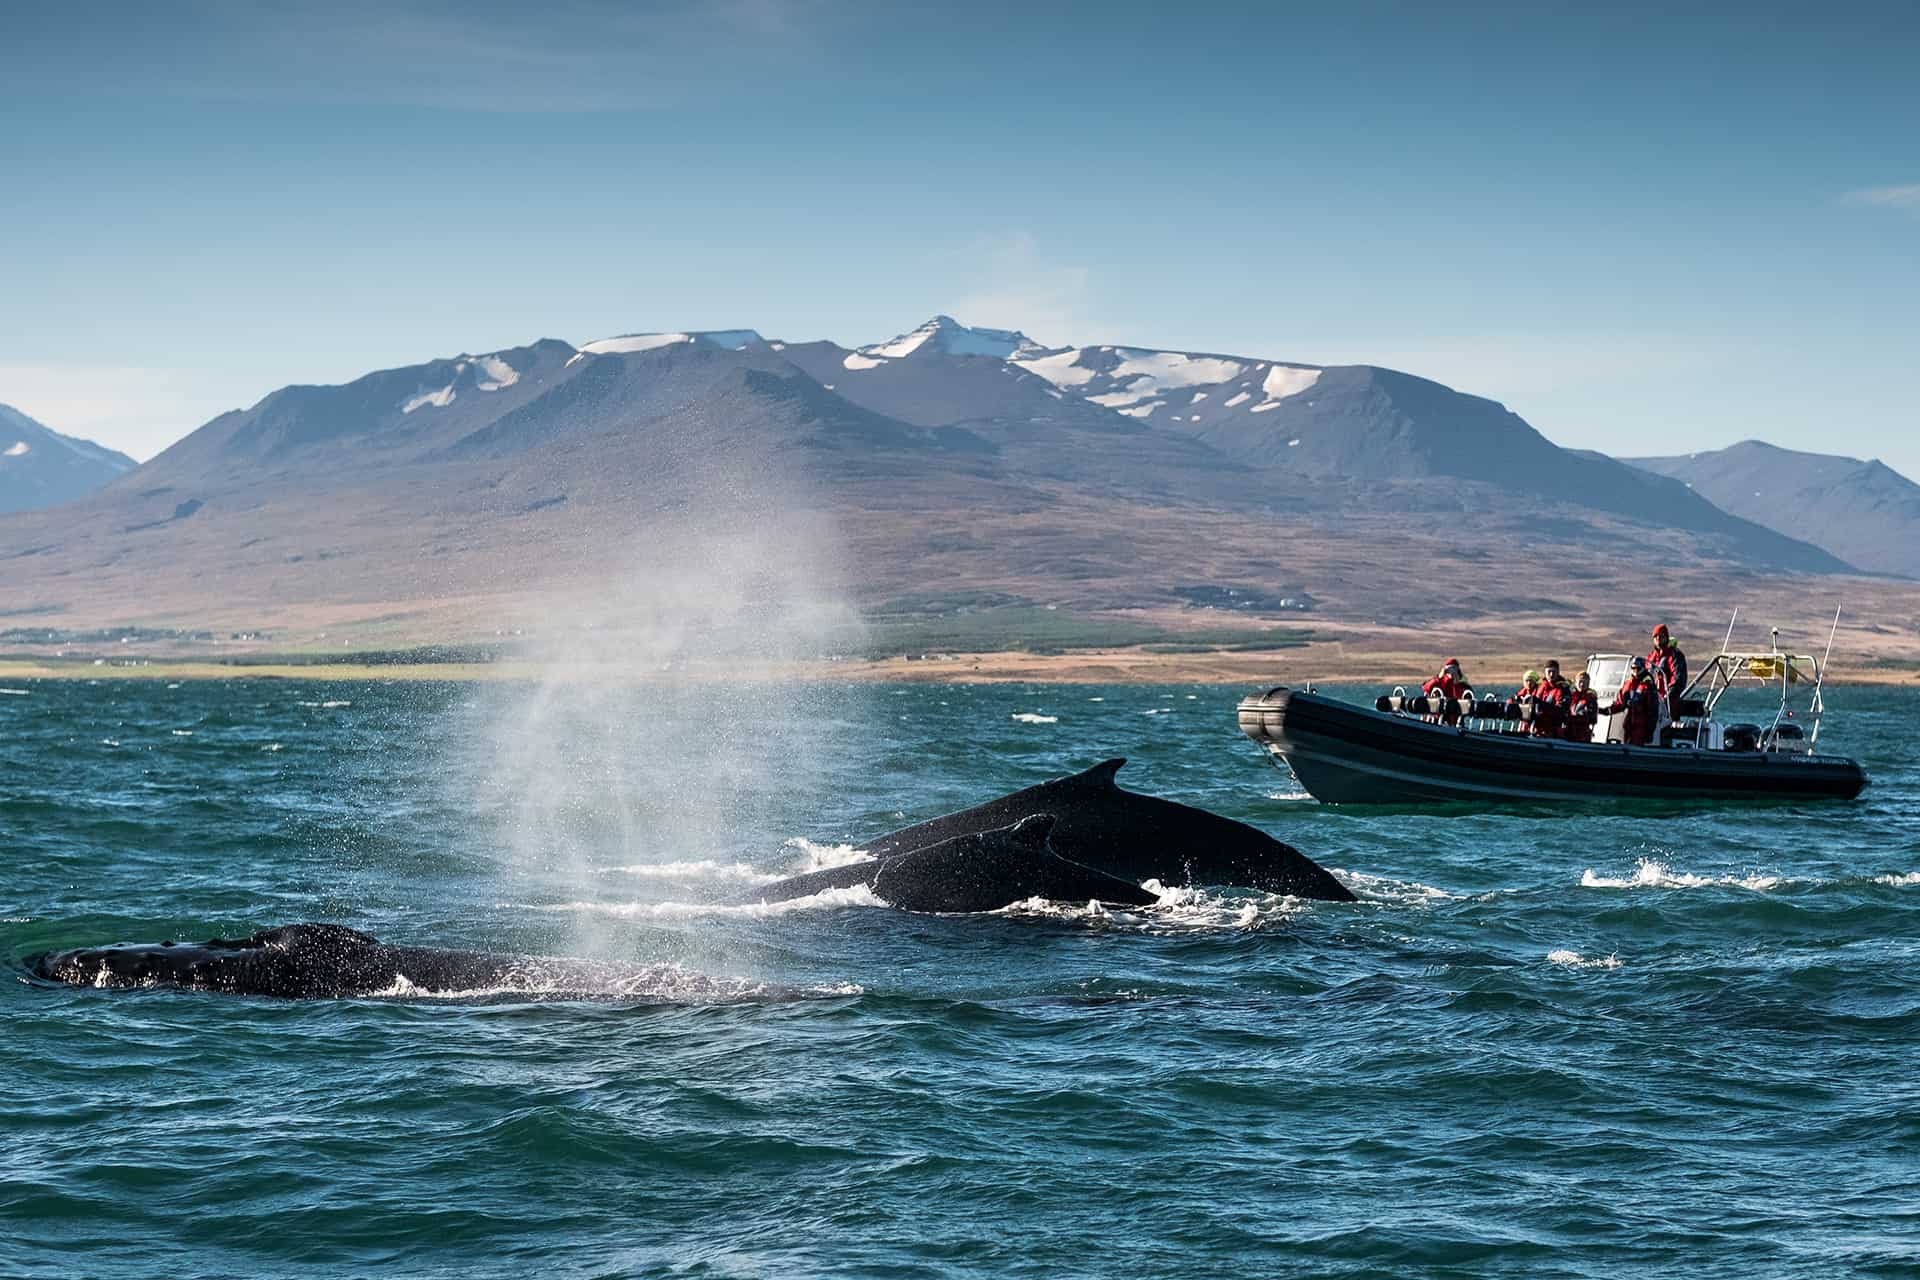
1864 512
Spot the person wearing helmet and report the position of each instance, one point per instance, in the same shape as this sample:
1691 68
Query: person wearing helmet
1583 710
1641 701
1668 667
1449 686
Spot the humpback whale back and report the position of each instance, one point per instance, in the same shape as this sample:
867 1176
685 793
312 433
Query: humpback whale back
973 871
1135 837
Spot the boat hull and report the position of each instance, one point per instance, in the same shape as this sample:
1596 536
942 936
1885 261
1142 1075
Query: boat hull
1343 754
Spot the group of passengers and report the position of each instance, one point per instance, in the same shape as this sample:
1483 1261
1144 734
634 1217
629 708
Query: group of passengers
1569 711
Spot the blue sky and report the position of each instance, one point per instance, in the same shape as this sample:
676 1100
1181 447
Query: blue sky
1644 232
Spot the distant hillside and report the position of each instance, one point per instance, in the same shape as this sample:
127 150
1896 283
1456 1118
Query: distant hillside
423 503
39 467
1866 513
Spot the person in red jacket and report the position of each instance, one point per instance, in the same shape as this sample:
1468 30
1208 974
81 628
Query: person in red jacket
1641 701
1583 710
1668 667
1550 698
1450 685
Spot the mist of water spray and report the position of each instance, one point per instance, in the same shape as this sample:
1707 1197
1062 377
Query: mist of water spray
678 716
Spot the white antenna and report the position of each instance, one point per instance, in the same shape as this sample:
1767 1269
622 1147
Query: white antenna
1820 677
1730 621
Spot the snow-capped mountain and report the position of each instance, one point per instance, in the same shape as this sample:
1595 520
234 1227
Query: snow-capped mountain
943 335
978 459
39 467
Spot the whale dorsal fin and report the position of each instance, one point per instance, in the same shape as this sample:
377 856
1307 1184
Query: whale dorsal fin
1101 775
1031 831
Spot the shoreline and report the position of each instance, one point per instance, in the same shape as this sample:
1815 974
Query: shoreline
1327 662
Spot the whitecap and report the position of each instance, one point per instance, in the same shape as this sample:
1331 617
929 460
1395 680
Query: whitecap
1574 960
1651 873
1385 889
858 895
182 733
1911 877
1031 717
1179 910
16 693
589 979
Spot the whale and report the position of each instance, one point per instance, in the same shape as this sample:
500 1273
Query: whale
318 961
971 872
1133 837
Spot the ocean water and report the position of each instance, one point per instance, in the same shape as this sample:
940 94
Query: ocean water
1543 1043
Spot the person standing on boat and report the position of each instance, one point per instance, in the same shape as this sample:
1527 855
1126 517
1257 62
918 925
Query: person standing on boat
1524 706
1583 711
1450 686
1641 701
1669 668
1550 699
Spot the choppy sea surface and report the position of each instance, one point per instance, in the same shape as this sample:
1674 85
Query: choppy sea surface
1543 1042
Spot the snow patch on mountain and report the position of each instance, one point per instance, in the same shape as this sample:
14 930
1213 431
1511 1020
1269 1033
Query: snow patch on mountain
949 336
438 399
628 343
1062 368
1142 375
855 360
498 374
1285 380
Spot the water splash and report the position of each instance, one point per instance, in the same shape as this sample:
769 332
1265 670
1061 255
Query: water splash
1651 873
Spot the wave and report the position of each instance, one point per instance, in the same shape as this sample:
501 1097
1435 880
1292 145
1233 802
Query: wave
16 693
826 900
698 869
582 979
1390 892
1574 960
1651 873
1033 717
1179 910
824 857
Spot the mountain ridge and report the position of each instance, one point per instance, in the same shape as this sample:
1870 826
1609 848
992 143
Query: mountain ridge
41 467
425 500
1863 511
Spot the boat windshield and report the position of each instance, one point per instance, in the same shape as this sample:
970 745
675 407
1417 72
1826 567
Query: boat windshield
1607 672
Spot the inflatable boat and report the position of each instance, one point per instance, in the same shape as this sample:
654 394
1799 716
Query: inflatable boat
1416 750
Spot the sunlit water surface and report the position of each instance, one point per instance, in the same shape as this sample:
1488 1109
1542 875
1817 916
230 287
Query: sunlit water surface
1545 1043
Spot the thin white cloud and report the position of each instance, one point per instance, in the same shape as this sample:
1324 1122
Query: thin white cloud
1018 287
1900 197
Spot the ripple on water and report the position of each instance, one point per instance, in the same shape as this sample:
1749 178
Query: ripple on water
1537 1044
